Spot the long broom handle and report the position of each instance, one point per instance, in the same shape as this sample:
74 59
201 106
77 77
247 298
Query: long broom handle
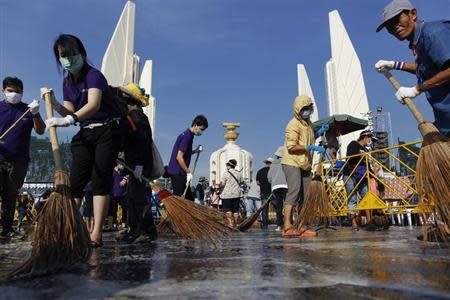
53 136
58 107
14 124
142 177
412 107
193 171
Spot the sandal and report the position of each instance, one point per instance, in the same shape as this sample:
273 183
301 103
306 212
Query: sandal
290 232
308 233
94 244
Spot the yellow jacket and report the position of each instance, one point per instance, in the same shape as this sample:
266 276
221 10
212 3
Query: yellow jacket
298 132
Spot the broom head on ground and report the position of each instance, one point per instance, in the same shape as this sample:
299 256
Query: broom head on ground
61 239
192 221
432 169
316 208
248 222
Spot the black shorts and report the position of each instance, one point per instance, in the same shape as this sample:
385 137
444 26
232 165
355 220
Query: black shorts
94 155
231 205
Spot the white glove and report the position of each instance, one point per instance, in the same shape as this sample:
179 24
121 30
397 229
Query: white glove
138 172
60 122
404 92
384 64
45 90
34 107
188 178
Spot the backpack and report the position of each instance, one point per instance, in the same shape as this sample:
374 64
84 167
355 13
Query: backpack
120 104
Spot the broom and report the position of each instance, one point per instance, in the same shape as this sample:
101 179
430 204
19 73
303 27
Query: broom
433 167
61 239
316 206
191 220
248 222
188 219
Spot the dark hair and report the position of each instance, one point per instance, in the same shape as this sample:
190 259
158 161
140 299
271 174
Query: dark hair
200 120
12 81
70 45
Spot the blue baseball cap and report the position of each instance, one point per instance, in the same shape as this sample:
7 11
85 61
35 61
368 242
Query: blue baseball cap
393 9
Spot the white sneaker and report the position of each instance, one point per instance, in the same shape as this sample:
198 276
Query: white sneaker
278 228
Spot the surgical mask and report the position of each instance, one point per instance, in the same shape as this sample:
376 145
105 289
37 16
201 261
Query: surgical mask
13 98
305 114
199 133
72 64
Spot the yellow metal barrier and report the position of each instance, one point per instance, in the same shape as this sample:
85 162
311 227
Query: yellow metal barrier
379 186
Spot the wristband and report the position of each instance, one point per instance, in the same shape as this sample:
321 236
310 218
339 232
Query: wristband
398 65
75 118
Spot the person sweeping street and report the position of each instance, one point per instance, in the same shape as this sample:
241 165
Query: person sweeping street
139 157
297 161
15 148
94 148
430 44
178 168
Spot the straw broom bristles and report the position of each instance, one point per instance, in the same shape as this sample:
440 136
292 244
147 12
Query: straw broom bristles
248 222
192 221
316 205
433 179
61 239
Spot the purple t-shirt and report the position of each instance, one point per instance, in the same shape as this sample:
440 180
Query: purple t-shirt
183 143
118 191
16 144
77 94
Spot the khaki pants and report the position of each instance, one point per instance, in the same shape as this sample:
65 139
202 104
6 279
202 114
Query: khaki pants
297 181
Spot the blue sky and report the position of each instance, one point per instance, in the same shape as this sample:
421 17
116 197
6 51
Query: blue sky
232 60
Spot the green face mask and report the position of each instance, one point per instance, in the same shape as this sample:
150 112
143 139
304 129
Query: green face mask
73 64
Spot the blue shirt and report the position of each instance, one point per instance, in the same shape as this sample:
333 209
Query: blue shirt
16 144
431 49
183 143
77 93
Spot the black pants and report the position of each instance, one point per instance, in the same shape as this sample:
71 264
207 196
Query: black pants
279 195
12 175
179 185
140 218
265 212
94 154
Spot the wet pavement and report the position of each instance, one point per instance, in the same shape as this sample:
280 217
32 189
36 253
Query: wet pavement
257 264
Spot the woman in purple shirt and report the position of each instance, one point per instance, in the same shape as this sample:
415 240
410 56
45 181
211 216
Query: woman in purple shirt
87 101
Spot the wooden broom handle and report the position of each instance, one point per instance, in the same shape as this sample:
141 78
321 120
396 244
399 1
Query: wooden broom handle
188 184
53 136
417 114
14 124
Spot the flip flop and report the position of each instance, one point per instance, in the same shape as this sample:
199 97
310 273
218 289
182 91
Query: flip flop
290 232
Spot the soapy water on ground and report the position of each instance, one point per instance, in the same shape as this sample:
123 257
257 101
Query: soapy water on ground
254 265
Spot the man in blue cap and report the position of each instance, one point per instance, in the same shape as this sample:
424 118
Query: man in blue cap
430 43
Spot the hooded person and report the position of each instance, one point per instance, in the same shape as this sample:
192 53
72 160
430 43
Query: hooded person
297 161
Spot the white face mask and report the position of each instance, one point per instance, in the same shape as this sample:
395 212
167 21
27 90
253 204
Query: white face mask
13 98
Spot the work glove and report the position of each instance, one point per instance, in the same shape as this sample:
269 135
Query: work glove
45 90
34 107
198 149
319 149
60 122
138 172
322 129
188 178
404 92
384 65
